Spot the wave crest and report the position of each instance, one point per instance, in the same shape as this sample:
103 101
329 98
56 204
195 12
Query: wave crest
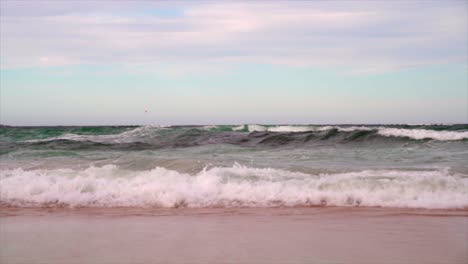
422 134
384 131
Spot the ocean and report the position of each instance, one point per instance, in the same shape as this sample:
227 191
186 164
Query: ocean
247 194
235 166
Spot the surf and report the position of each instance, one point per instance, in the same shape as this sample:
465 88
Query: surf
235 186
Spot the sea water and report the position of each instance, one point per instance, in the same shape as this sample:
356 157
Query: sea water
408 166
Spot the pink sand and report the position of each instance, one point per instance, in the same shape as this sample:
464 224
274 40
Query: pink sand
275 235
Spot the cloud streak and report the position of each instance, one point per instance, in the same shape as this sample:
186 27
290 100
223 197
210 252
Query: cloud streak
355 37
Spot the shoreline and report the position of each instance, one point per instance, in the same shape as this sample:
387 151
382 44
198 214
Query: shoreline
12 211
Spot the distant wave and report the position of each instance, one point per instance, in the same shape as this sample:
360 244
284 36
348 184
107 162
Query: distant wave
156 137
422 134
236 186
152 131
384 131
124 137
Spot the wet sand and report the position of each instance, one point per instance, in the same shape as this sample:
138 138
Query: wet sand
251 235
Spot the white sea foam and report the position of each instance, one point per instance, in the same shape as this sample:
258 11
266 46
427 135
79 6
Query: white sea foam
110 186
136 134
239 128
384 131
355 128
260 128
296 128
422 133
291 128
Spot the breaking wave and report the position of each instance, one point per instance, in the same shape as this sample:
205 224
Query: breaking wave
384 131
158 137
236 186
422 134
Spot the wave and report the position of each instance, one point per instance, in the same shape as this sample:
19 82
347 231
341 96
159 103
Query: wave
384 131
236 186
423 134
148 131
157 137
129 136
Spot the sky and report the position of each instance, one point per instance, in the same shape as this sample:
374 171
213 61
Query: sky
233 62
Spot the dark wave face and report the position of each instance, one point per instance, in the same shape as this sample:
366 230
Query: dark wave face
247 165
145 138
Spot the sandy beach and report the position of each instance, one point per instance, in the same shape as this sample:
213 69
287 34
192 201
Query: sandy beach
220 235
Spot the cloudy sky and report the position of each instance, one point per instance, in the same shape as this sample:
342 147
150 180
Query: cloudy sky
212 62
